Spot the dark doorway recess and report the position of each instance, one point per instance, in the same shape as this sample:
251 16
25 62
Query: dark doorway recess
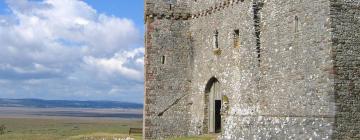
217 116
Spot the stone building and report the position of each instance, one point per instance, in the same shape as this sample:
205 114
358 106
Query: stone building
252 69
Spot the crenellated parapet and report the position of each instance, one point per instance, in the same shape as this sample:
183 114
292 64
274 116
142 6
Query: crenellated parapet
166 9
215 8
170 16
175 11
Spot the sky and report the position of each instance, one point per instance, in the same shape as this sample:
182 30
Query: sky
72 49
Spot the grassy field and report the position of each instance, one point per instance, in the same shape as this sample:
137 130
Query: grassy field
74 129
67 129
205 137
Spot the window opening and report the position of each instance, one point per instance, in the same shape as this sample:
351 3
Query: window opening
296 24
236 35
163 59
216 41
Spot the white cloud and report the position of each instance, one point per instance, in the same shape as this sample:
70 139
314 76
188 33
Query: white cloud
36 68
65 38
117 64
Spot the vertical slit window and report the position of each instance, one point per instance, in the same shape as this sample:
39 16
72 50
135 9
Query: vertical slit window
163 59
296 24
216 41
236 37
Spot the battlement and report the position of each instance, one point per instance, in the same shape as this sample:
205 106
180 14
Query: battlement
169 9
172 11
216 7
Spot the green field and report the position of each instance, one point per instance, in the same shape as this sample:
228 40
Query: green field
67 129
74 129
204 137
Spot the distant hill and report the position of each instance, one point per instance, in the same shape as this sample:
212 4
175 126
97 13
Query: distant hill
39 103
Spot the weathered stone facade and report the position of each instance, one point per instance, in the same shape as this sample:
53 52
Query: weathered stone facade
282 69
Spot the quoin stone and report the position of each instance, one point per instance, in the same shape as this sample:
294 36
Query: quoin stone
252 69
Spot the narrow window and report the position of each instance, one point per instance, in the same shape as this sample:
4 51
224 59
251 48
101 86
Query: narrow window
236 36
216 41
296 24
170 7
163 59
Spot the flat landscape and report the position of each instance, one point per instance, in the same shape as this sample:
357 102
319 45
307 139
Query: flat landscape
60 123
68 123
79 113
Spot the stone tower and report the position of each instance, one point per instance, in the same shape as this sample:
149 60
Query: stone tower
252 69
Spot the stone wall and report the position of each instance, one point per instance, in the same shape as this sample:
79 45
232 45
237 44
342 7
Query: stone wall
236 68
167 71
278 81
291 72
345 19
296 84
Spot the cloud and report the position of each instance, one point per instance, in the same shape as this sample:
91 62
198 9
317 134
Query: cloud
68 41
37 71
116 65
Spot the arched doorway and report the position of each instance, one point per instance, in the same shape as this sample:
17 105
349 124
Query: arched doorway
212 120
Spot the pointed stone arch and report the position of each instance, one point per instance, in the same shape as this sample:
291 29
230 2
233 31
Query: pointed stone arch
213 100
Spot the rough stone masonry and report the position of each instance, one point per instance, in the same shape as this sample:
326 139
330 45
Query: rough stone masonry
252 69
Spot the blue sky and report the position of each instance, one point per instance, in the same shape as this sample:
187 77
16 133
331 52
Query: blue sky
72 49
133 9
